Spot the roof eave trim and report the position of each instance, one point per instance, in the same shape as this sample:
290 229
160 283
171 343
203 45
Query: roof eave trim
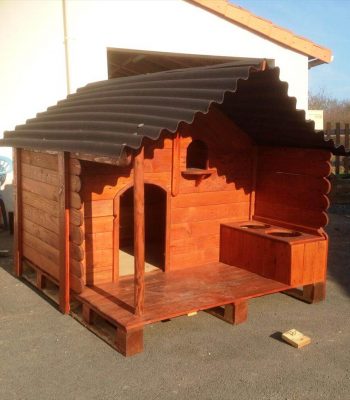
265 28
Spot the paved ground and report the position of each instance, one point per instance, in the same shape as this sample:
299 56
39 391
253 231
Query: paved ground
45 355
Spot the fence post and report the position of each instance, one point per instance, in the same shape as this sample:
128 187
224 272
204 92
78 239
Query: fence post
337 143
346 145
328 130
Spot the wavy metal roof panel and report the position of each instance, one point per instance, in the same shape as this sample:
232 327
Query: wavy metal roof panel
107 117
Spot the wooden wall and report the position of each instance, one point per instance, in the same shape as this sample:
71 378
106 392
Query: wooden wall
102 185
198 209
40 216
195 210
292 187
40 210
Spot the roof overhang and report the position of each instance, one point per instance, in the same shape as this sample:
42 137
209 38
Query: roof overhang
112 117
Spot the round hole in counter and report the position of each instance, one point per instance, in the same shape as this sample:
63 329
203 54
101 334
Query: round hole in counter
255 226
284 233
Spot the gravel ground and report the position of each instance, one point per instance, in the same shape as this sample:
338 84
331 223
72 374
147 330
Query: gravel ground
45 355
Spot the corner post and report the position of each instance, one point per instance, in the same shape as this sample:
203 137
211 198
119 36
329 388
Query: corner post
63 209
139 233
18 246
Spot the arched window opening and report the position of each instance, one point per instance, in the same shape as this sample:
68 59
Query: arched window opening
197 155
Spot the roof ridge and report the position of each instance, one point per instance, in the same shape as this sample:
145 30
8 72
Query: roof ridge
266 28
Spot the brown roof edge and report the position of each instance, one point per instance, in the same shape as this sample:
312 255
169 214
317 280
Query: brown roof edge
265 28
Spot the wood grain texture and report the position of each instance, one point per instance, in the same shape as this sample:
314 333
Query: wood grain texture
75 200
41 233
139 233
39 259
75 167
296 260
38 202
175 293
64 220
40 174
176 167
45 190
75 183
76 234
40 159
292 186
18 212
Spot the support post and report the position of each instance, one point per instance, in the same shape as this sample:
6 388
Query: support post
139 233
63 210
175 170
129 343
234 313
313 293
18 246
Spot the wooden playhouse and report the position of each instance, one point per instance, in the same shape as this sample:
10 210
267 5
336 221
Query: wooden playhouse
153 196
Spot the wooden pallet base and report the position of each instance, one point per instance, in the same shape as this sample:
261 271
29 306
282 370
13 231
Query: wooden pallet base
235 313
313 293
44 283
99 308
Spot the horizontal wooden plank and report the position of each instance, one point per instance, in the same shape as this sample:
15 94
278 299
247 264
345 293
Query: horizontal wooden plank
75 183
99 188
96 241
292 183
76 217
76 252
283 154
74 166
76 284
100 208
40 203
161 161
45 190
210 198
41 218
43 248
215 183
307 200
309 218
41 233
99 258
302 165
76 234
41 261
40 174
188 245
98 169
196 229
75 200
99 277
194 258
99 224
77 268
236 211
39 159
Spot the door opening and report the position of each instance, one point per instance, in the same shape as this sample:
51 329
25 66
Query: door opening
155 229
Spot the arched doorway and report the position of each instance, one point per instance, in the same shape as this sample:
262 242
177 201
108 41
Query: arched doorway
155 229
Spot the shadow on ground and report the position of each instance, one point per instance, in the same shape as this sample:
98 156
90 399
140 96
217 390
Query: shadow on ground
339 247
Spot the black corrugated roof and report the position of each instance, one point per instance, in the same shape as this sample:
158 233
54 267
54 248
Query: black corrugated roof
104 118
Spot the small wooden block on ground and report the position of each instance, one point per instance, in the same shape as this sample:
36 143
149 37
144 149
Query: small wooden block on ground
295 338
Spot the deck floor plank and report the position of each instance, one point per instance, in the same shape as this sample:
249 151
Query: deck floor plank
171 294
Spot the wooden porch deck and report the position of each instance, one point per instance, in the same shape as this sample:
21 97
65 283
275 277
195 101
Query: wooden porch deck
171 294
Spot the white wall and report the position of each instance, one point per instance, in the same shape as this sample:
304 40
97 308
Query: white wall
173 26
32 64
33 59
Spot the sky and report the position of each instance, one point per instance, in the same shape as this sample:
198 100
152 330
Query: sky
325 22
